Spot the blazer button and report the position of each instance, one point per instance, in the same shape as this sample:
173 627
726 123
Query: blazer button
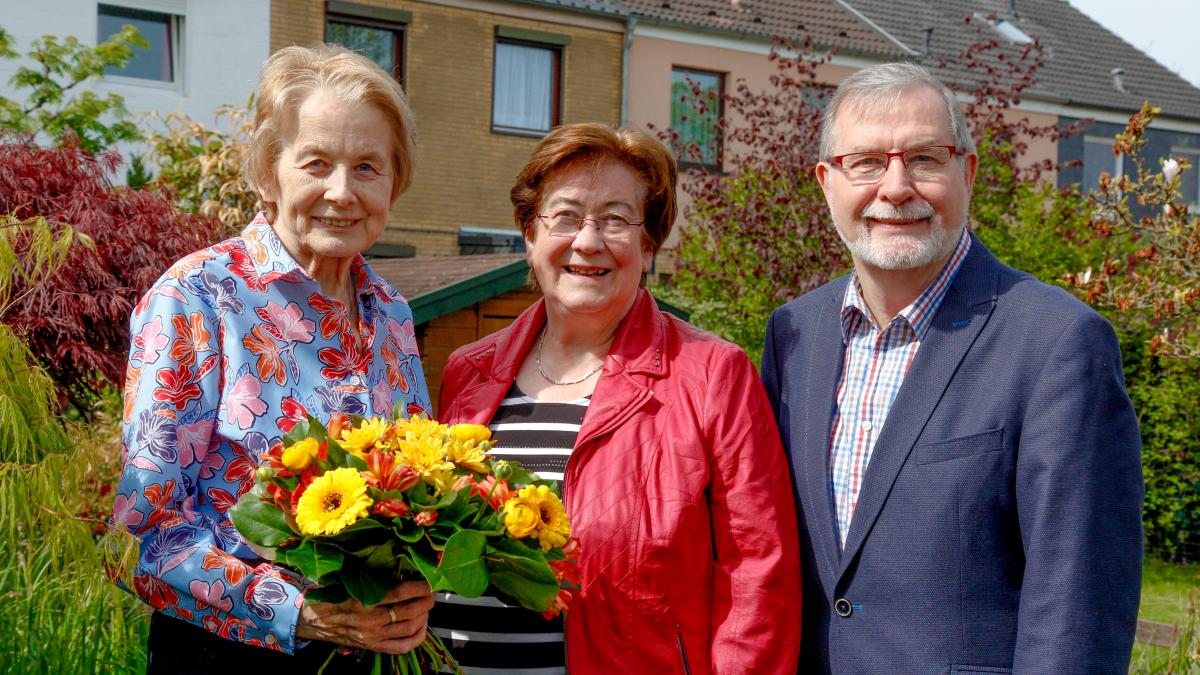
843 607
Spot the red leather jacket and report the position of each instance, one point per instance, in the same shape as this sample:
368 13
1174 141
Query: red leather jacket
678 491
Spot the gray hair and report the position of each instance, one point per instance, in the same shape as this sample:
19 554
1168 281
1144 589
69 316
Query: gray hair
879 86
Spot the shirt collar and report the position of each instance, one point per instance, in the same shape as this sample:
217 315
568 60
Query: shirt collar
273 263
919 313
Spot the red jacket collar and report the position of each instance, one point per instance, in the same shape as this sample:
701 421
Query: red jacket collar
639 346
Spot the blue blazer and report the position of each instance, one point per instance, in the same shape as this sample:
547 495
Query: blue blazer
998 527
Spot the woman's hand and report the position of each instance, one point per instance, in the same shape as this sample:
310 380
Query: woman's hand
395 626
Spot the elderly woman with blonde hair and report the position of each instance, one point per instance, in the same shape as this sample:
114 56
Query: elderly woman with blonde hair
236 343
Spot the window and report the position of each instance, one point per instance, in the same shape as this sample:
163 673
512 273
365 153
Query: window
526 81
1189 181
160 61
1098 158
480 240
374 32
696 108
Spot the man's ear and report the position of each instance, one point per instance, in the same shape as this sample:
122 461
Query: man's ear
970 165
822 171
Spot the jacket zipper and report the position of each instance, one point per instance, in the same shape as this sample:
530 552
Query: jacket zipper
682 651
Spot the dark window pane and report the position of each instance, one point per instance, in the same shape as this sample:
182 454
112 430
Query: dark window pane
155 63
1189 181
695 114
1097 158
377 44
523 87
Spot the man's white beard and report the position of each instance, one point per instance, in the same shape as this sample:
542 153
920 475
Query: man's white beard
900 252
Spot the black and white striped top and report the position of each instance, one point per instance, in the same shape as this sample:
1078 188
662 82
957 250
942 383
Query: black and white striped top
485 635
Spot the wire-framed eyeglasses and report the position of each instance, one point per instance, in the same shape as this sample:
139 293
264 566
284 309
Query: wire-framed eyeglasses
610 225
923 163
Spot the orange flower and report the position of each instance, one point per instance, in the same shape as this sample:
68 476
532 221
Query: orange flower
392 508
425 518
561 602
495 496
385 473
337 422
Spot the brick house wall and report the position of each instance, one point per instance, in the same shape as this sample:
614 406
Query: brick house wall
464 170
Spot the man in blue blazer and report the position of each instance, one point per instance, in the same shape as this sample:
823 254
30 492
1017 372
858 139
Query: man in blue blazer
966 461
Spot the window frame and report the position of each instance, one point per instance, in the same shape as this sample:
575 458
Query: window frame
1192 155
344 13
687 163
556 83
1118 165
175 37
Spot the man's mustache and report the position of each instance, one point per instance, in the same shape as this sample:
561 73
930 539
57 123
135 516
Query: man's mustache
915 210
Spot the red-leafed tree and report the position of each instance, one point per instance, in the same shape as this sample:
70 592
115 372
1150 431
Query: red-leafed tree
76 321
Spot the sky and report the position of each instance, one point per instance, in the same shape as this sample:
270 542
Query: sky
1167 30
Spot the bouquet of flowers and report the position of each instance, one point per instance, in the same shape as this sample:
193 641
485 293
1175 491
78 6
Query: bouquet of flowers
359 503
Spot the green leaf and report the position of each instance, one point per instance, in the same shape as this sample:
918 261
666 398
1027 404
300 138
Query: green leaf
260 523
462 563
363 525
364 585
529 594
409 536
383 558
334 593
297 434
445 501
429 570
514 556
315 560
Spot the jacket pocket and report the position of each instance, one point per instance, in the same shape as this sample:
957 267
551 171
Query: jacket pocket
682 651
965 670
964 446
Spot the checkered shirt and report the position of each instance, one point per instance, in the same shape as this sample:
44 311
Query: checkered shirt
873 369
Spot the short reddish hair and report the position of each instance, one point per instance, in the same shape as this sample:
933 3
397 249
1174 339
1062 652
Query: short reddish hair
571 144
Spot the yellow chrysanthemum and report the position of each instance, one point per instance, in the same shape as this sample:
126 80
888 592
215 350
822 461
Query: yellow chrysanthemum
298 456
536 511
467 455
361 439
473 433
417 427
425 454
441 479
335 500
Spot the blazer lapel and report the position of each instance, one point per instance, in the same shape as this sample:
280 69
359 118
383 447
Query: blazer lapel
822 368
964 312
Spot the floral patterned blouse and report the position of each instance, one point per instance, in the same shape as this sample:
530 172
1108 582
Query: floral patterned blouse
231 347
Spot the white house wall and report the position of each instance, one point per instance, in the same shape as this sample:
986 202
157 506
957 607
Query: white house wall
223 45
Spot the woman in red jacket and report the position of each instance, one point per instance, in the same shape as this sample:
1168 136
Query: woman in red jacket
674 477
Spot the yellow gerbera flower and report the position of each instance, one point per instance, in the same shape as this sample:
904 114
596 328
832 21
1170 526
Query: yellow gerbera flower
333 501
359 440
536 511
300 454
474 433
426 454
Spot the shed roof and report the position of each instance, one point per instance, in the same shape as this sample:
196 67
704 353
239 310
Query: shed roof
438 285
